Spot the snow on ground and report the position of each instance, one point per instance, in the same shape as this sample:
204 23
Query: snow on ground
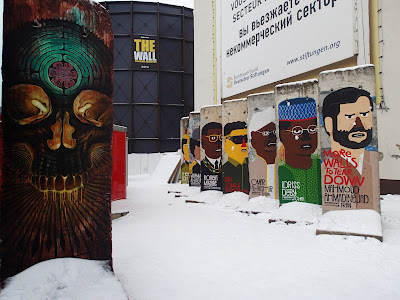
165 167
166 248
65 278
365 222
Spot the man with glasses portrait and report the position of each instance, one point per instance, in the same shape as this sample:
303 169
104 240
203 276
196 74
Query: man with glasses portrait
300 173
211 169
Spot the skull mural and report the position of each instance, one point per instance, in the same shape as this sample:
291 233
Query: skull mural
57 115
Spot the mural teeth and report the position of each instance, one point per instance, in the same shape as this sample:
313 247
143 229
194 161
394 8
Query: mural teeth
34 180
51 183
59 183
69 182
42 183
85 178
78 181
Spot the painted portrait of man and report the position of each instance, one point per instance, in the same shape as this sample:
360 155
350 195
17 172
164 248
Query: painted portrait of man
185 160
300 175
236 172
194 166
264 142
347 117
262 130
211 169
348 121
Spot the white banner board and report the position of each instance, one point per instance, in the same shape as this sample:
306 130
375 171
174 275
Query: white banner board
264 41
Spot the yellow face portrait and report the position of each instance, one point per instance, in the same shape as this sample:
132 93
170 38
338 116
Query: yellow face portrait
236 145
185 147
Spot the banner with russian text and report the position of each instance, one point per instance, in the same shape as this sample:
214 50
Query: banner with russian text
267 41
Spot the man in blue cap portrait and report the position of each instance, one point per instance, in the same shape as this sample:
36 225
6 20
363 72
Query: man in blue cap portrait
300 175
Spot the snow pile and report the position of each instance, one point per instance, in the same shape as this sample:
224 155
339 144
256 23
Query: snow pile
345 69
64 278
295 212
291 213
165 167
260 204
121 206
233 200
366 222
208 197
298 212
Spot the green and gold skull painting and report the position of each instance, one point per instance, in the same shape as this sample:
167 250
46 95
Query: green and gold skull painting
57 129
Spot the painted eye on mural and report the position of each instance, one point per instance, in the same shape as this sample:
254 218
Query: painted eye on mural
93 107
29 104
312 129
364 114
297 130
350 116
238 139
214 137
267 132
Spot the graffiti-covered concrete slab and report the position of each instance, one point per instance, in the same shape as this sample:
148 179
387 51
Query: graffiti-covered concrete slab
262 145
194 147
234 146
184 128
299 163
57 122
211 147
349 139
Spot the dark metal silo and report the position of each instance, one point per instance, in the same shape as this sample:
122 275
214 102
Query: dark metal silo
150 96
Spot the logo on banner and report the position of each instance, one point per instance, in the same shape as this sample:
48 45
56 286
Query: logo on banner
144 52
229 82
